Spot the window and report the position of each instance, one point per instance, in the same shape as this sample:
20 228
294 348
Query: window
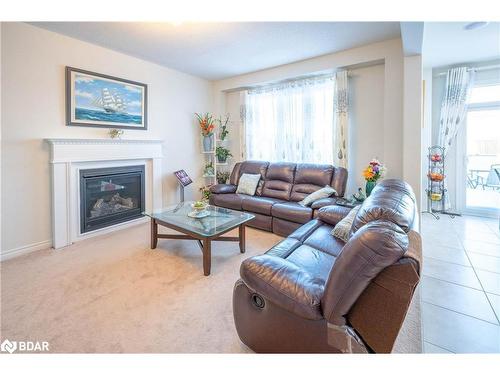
291 122
485 94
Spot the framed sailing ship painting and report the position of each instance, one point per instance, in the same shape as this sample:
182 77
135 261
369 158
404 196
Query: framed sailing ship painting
99 100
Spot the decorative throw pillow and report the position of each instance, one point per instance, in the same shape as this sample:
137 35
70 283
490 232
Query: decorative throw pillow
318 194
248 184
343 227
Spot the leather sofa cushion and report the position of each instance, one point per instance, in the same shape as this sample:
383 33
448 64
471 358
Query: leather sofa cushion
333 214
283 227
321 239
390 200
279 180
309 178
292 211
339 180
260 221
260 205
316 205
232 201
316 262
249 167
305 230
285 284
284 248
222 189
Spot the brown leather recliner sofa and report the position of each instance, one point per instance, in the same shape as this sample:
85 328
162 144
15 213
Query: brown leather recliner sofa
313 293
282 185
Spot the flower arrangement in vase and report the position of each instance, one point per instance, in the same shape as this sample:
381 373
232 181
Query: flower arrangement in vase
372 173
207 126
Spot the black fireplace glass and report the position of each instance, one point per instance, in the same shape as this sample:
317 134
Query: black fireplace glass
109 196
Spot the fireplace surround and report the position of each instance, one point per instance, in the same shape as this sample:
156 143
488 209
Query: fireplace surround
70 157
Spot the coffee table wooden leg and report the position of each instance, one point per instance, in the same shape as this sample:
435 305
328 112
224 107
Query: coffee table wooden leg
242 238
207 256
154 234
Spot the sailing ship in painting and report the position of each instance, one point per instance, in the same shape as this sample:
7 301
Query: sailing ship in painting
107 102
110 103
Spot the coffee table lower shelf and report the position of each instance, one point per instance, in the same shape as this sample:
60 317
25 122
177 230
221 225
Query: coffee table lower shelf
205 243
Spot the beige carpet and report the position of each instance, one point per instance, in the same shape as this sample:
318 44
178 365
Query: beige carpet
113 294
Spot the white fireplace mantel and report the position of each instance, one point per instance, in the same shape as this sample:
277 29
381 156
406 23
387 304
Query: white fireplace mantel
69 156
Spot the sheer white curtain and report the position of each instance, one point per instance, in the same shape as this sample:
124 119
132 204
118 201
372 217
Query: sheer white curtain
454 104
341 105
291 122
453 110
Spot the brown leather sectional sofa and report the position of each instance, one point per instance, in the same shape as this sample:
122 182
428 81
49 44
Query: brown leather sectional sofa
282 185
313 293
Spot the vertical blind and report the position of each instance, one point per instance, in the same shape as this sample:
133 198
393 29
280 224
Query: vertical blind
291 122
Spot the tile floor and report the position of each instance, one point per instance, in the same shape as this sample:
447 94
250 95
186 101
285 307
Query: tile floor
460 285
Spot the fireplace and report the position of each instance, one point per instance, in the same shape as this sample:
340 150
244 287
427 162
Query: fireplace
109 196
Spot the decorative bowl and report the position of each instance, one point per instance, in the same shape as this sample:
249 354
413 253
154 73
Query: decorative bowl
199 206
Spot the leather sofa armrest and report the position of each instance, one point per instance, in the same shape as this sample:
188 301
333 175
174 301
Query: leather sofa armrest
284 284
376 246
223 189
323 202
333 214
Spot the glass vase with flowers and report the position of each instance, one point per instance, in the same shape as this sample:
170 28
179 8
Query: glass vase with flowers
372 173
207 126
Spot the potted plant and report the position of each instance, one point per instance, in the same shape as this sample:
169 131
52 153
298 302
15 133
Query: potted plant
223 132
372 174
222 154
209 169
222 177
205 192
207 126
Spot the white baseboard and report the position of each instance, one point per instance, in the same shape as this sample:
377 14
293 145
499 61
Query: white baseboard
12 253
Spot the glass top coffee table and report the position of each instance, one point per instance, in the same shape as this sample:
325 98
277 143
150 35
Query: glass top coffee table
203 230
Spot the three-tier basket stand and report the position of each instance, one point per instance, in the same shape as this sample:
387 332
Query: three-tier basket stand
436 190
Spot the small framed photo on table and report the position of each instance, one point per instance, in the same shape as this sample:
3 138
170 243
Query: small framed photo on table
183 177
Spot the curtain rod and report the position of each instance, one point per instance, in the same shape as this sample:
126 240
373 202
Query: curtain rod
284 81
479 68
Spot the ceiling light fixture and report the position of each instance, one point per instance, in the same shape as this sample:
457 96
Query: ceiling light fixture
475 25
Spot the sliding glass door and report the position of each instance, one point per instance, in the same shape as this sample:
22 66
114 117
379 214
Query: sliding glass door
481 153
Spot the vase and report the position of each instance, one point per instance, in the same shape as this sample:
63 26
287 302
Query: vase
221 160
208 143
369 187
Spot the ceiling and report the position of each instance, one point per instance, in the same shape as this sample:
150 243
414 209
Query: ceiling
448 43
220 50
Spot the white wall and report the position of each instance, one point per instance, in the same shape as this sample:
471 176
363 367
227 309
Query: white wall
426 138
33 62
377 113
412 124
